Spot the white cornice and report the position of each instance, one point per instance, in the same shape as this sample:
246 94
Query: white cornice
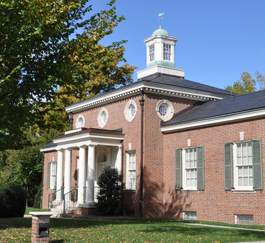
136 88
214 121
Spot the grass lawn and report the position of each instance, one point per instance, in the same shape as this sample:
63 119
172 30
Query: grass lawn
125 230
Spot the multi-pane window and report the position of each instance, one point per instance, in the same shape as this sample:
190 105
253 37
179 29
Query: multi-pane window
189 215
132 110
190 168
52 173
246 219
151 53
167 52
243 164
80 122
163 109
131 170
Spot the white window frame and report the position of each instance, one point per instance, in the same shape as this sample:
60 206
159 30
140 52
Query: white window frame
170 110
189 215
101 121
167 52
79 118
131 170
53 175
127 111
245 217
237 165
152 53
185 169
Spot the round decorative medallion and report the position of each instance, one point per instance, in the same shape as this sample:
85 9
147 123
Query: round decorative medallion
103 117
164 110
130 110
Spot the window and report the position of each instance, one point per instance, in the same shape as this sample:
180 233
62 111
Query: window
51 175
189 166
130 110
243 165
103 117
167 52
189 215
164 110
152 53
244 219
80 121
131 170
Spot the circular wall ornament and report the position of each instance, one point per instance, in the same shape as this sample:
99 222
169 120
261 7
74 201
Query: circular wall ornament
103 117
130 110
164 110
80 121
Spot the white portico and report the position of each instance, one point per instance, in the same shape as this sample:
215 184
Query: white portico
97 149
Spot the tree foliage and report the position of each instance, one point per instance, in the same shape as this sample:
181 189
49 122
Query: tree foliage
47 46
247 84
24 166
110 196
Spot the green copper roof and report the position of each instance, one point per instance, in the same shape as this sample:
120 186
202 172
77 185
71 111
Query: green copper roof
160 32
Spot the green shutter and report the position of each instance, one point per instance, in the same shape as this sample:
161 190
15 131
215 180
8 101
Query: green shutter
178 172
200 168
228 166
48 175
257 165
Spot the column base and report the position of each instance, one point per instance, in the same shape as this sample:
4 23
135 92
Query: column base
89 205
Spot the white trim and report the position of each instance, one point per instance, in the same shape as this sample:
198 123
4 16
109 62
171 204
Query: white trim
135 89
102 123
185 187
214 121
77 123
127 111
170 110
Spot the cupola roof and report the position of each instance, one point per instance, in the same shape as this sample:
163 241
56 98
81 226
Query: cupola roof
160 32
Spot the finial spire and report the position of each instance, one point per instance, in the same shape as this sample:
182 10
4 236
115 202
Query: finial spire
160 18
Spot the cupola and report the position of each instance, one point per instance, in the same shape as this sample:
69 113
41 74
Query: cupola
160 54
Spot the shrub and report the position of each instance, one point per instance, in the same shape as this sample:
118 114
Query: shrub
110 196
13 200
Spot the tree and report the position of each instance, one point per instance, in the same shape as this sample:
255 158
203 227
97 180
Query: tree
246 84
46 46
110 196
24 166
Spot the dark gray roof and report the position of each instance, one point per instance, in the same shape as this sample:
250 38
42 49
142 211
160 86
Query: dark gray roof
183 83
49 145
170 80
228 106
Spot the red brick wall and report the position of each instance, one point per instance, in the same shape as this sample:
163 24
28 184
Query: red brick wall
214 203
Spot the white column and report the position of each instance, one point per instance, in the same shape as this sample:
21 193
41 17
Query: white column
118 164
81 175
90 176
59 181
67 174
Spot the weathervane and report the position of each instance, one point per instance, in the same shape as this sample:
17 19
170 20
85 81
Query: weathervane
160 18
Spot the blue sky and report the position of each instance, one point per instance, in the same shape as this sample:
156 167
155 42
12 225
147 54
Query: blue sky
217 39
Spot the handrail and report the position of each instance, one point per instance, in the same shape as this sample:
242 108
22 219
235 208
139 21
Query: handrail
73 198
54 195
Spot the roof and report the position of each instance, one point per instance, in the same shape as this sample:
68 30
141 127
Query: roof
160 32
158 81
184 83
218 108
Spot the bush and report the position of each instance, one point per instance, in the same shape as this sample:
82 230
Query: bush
13 200
110 196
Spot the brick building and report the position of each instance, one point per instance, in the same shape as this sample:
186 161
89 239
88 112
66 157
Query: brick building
185 149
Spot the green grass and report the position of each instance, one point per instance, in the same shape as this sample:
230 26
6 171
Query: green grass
125 230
